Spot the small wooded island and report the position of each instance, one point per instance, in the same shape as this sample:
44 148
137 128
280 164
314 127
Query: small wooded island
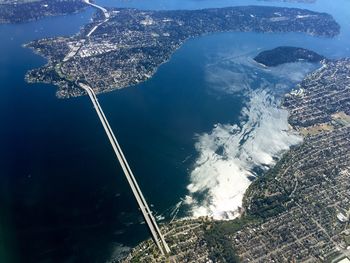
123 47
284 54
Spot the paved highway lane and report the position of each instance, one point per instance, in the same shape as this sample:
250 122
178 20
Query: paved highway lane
146 212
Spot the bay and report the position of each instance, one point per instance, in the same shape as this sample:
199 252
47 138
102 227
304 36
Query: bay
63 197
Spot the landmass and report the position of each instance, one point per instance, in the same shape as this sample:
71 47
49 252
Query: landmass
123 47
19 11
299 210
285 54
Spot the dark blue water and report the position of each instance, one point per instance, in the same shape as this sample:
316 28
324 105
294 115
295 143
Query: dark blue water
63 197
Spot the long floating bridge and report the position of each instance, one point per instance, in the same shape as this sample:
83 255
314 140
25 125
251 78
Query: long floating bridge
146 212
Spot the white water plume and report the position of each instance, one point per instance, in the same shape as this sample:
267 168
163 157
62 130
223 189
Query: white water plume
229 154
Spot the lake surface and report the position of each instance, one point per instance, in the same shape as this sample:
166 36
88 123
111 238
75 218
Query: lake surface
64 198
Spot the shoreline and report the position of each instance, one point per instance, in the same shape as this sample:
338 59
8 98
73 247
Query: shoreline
159 46
244 217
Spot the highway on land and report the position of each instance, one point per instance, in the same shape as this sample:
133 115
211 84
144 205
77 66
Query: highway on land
147 214
105 13
74 50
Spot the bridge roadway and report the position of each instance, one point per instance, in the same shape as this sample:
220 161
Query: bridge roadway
74 50
146 212
104 10
105 13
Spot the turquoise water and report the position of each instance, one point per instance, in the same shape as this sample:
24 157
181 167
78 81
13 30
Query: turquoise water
63 198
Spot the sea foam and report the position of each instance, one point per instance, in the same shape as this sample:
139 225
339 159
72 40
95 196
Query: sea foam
230 155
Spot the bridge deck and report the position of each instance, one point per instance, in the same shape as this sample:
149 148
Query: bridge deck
146 212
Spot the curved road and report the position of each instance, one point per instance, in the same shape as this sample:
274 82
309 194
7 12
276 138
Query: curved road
74 50
105 13
104 10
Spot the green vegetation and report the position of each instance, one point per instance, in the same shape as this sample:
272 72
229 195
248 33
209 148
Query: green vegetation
266 197
266 207
259 205
347 240
217 235
285 54
19 11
